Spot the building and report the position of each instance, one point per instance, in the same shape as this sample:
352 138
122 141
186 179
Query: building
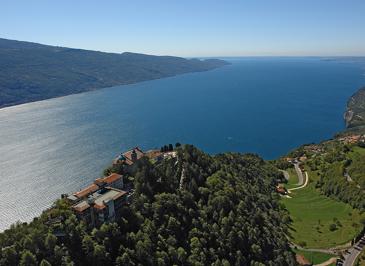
155 155
84 193
129 157
351 139
281 190
101 201
313 148
101 206
113 180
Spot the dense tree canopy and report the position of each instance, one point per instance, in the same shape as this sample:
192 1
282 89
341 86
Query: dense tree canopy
191 210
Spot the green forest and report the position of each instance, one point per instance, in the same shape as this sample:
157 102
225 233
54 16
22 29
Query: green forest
195 209
341 171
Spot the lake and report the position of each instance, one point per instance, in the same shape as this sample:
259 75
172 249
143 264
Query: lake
261 105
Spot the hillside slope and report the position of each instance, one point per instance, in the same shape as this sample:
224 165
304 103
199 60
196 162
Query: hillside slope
223 212
31 71
355 112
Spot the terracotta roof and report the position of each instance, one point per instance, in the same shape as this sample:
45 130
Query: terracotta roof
108 179
86 191
128 155
100 199
99 207
99 180
112 178
281 190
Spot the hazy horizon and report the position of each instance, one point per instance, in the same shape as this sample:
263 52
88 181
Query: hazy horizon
196 56
192 29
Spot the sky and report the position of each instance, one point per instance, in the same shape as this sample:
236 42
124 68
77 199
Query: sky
190 28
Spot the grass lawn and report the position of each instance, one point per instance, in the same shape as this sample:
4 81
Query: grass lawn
293 180
314 257
312 215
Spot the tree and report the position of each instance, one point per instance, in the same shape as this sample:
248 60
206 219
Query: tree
100 255
226 214
88 245
181 255
9 256
50 242
28 259
45 262
332 227
124 260
27 243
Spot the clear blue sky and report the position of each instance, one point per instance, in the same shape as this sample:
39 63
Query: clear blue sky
191 27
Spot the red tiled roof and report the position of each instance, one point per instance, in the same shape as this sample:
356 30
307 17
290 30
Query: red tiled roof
99 203
86 191
128 155
281 190
112 178
99 207
108 179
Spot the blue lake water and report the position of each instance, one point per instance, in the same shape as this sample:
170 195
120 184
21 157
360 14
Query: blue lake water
262 105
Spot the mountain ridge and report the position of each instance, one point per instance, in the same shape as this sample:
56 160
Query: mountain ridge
33 72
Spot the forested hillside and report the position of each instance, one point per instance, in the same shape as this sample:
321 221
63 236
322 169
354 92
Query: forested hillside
31 71
191 210
355 112
340 167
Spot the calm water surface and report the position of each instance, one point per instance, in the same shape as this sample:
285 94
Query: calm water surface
262 105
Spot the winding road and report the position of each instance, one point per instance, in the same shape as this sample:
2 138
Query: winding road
299 174
352 253
302 178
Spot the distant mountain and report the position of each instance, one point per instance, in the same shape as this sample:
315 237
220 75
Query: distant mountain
32 71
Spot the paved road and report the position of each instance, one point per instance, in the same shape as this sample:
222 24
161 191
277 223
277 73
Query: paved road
302 186
327 262
299 174
353 252
322 250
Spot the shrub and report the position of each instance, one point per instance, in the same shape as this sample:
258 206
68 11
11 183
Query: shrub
333 227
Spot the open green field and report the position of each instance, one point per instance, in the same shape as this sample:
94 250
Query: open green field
314 257
293 180
312 215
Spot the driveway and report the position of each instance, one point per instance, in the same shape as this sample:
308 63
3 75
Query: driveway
352 253
299 174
